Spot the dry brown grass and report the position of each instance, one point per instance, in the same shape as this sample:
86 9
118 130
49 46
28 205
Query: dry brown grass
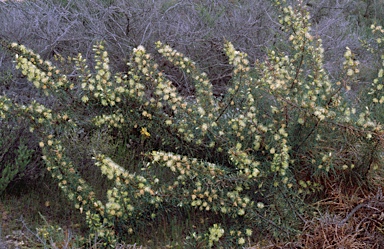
348 216
350 222
354 223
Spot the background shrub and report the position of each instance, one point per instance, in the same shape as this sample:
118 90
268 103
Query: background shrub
196 28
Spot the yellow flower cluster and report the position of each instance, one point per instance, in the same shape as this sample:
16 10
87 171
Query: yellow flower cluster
113 206
100 228
115 120
38 114
378 82
377 29
144 132
100 85
167 93
236 58
350 64
128 188
316 92
244 162
203 87
206 178
109 168
190 167
6 106
40 72
280 153
197 119
193 119
62 169
240 235
124 179
141 72
205 199
201 81
215 233
76 188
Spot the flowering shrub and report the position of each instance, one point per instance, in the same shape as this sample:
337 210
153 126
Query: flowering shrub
246 162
